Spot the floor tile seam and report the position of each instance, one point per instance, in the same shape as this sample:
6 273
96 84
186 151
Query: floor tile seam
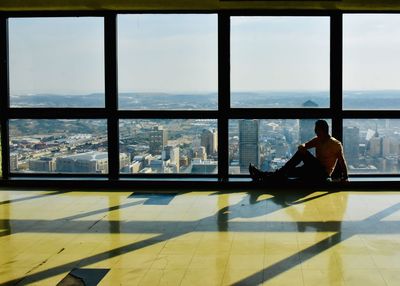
77 262
342 280
334 257
383 276
142 275
186 268
164 243
32 270
194 252
227 261
375 264
264 257
147 272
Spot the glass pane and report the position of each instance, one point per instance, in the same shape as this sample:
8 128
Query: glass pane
280 62
187 146
56 62
58 146
371 60
167 61
267 144
372 145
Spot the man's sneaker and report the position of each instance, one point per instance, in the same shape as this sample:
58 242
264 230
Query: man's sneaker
254 173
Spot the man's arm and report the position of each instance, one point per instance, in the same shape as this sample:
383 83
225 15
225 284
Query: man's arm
308 145
343 165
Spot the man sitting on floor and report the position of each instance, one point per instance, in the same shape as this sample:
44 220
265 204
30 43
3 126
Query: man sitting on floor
329 154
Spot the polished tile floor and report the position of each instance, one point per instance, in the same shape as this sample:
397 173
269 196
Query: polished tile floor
200 238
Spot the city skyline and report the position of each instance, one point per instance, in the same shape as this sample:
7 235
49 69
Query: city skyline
190 146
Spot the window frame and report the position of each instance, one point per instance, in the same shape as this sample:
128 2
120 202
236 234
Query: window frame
222 114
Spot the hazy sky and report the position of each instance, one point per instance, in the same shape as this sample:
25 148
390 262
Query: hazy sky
56 55
172 53
371 55
178 53
279 53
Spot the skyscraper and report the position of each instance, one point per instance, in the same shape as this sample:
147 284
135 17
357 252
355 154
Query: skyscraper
172 154
351 142
375 146
209 140
248 144
158 138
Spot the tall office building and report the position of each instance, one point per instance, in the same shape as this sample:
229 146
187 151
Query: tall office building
351 143
248 144
13 162
200 153
209 140
375 146
158 138
172 154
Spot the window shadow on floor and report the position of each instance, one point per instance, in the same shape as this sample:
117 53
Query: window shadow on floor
250 206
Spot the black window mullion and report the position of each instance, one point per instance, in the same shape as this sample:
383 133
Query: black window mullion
168 114
223 94
281 113
111 92
4 96
336 74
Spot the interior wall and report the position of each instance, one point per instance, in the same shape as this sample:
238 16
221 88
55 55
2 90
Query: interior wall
33 5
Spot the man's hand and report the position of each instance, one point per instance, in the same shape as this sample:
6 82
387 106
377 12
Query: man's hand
302 148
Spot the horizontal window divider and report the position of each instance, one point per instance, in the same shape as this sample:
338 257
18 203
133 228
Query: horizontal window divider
372 11
168 114
281 113
88 175
57 113
380 175
94 13
227 12
54 14
168 11
58 175
168 176
372 114
278 12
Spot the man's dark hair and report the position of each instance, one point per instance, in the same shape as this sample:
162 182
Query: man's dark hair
322 125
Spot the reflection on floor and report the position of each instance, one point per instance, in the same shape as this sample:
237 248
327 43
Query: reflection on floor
200 238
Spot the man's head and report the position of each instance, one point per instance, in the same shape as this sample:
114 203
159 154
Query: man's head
321 128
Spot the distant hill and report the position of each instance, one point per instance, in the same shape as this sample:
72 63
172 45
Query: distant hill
27 127
389 99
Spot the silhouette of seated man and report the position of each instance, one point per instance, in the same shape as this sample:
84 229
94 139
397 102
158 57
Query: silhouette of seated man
329 160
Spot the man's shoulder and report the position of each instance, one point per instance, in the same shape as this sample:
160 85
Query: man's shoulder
334 141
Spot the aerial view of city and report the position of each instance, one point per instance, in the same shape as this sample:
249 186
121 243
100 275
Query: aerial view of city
170 62
146 146
190 146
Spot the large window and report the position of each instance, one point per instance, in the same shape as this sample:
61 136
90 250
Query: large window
169 146
58 146
371 61
280 62
56 62
372 146
194 95
267 144
167 61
